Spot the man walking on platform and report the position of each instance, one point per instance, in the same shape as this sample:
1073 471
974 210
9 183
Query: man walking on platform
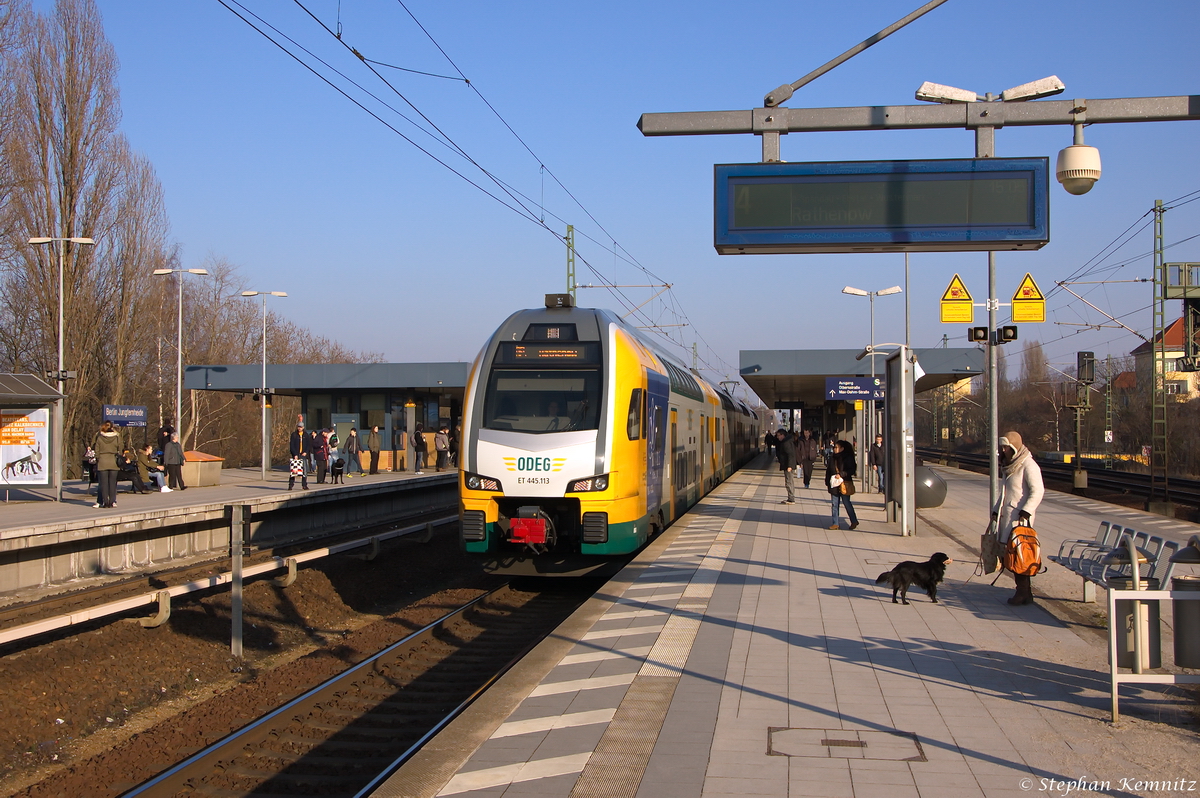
807 452
785 451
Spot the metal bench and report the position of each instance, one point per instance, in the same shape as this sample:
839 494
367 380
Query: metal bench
1091 559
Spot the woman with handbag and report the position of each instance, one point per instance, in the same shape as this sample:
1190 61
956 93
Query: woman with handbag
1021 496
839 479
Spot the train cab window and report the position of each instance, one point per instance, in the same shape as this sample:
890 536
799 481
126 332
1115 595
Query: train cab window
554 400
633 425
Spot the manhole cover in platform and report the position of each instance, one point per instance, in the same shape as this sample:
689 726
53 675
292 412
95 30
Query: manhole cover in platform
842 744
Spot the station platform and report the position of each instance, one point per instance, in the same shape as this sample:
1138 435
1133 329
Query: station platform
26 511
748 651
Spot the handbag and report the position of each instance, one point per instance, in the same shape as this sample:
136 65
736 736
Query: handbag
990 551
847 487
297 467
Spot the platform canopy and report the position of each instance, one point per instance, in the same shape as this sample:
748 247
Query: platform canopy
785 378
26 389
294 379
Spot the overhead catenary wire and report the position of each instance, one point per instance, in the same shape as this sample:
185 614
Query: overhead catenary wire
508 189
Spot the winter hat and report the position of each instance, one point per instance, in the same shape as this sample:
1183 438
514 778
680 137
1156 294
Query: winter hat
1012 440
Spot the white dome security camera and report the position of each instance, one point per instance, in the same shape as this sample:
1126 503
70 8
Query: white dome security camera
1078 166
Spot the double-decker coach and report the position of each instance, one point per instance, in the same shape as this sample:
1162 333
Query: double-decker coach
582 438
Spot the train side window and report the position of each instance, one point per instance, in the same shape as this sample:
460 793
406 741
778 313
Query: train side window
633 425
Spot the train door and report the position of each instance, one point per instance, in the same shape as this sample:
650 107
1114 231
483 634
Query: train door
702 481
658 391
678 470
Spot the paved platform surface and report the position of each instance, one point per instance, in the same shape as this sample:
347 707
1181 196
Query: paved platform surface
26 510
749 652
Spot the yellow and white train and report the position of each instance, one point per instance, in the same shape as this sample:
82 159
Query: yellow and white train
582 438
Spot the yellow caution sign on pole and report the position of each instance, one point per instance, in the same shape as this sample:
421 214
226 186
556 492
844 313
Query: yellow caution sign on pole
1029 303
957 305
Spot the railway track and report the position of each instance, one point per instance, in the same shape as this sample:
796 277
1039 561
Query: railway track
344 736
1182 490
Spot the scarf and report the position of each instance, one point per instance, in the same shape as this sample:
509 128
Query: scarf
1018 460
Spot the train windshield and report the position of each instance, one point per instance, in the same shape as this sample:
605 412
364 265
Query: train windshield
554 400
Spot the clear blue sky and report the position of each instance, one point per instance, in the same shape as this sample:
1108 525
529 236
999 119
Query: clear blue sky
383 249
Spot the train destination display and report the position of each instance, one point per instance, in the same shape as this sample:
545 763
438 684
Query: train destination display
523 352
953 205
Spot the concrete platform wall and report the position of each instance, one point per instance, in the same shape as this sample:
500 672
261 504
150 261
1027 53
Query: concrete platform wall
44 557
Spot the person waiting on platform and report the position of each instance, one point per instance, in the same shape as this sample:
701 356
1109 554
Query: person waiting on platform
173 459
441 442
352 448
807 452
876 462
149 470
785 452
1022 493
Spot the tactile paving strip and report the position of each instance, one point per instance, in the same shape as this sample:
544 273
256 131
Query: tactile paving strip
616 766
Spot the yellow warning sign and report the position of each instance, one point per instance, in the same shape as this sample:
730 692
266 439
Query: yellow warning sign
1029 303
957 305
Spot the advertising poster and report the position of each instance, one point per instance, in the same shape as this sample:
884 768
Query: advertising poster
25 446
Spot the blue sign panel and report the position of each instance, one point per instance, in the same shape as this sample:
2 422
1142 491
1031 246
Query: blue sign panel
126 415
958 205
854 388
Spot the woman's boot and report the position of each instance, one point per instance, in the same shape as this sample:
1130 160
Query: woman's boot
1024 594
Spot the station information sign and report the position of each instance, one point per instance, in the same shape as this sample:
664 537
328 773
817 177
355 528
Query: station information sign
854 388
954 205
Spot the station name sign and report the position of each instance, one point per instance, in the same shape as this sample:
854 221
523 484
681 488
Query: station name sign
956 205
125 415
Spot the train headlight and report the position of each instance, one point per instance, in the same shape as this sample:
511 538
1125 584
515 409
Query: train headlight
477 482
589 485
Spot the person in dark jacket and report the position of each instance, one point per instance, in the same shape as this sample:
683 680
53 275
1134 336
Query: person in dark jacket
374 446
418 447
127 464
352 447
807 452
321 454
875 460
843 466
173 460
149 470
107 445
785 452
164 437
300 447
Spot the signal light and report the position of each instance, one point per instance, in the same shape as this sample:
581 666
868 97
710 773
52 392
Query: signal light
1006 334
1085 367
977 334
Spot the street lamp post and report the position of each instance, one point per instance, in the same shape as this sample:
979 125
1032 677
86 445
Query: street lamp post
266 455
179 346
895 289
60 376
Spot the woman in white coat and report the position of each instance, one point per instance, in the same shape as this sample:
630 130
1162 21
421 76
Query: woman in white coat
1023 492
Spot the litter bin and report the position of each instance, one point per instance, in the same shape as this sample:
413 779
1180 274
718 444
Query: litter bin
930 488
1186 615
1151 630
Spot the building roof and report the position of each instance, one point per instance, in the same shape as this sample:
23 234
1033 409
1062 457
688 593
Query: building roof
1172 338
26 389
292 379
1125 381
798 375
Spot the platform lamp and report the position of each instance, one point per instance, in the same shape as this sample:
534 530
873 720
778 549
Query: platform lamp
266 455
60 376
895 289
179 345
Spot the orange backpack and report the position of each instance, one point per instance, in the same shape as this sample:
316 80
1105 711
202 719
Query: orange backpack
1023 554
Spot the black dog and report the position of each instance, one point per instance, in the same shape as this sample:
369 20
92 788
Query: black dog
922 574
336 470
